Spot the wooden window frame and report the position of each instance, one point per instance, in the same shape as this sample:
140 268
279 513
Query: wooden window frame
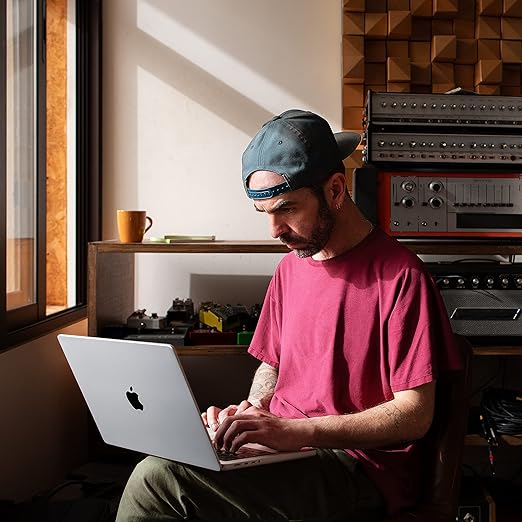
21 326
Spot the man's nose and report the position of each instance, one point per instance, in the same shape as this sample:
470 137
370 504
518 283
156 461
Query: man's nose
277 226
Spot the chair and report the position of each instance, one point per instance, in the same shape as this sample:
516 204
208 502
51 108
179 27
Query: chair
445 445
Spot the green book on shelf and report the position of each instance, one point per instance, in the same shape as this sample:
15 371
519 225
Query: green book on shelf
173 238
181 237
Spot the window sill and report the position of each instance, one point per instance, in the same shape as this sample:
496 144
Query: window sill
41 328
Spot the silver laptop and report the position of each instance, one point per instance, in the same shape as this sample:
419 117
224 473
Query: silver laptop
140 399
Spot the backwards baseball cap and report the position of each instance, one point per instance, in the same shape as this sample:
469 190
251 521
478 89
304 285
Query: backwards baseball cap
301 147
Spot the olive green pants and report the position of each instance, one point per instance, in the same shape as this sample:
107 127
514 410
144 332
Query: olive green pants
329 486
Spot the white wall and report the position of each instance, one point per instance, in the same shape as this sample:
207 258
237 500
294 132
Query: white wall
186 84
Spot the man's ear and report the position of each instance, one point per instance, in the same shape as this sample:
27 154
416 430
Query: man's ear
335 189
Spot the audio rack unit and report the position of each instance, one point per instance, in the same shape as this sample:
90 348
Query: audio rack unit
422 129
440 203
436 110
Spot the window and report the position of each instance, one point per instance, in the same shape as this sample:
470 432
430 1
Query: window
49 152
21 162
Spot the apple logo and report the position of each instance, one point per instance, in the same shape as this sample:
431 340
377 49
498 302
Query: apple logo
133 398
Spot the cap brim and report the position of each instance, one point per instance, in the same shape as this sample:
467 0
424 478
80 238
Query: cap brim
347 142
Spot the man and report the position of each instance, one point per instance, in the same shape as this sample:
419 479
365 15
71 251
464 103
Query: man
351 337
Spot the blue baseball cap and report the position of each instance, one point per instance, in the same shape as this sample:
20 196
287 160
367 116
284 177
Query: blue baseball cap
301 147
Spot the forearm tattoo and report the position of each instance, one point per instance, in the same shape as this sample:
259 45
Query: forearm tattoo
393 413
263 386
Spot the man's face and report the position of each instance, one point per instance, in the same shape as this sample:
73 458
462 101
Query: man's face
301 219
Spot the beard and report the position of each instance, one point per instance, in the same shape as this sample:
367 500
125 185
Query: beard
319 236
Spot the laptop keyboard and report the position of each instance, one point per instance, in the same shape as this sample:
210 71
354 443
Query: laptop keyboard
242 453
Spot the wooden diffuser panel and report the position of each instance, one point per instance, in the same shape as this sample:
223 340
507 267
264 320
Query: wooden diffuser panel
425 46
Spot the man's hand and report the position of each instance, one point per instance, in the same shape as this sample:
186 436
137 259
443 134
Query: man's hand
261 427
214 416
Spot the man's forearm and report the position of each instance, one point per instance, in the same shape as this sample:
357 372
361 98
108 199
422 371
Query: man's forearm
263 386
378 427
404 418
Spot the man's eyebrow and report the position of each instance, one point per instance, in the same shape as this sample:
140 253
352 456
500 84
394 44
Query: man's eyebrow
278 206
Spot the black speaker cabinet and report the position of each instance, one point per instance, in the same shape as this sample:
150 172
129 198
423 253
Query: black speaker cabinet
484 313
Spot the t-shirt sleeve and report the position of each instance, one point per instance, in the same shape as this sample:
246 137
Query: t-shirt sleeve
265 344
421 342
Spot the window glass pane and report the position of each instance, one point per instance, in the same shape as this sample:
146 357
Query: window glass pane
21 152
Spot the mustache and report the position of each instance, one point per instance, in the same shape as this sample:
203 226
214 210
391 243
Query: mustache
290 238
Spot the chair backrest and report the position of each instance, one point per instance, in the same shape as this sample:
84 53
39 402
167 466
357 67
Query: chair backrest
446 436
445 445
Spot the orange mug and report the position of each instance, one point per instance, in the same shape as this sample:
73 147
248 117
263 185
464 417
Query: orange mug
132 225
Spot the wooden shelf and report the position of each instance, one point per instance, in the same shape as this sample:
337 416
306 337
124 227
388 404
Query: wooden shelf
233 349
239 349
474 439
497 350
111 271
419 246
467 247
192 247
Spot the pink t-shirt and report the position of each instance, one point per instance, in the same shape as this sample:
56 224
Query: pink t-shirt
348 332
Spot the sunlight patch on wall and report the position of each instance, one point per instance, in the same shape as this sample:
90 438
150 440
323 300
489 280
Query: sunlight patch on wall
203 54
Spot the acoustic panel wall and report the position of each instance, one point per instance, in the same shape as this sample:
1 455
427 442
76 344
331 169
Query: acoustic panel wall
426 46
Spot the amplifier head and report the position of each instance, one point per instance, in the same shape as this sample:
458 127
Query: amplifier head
483 300
484 313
